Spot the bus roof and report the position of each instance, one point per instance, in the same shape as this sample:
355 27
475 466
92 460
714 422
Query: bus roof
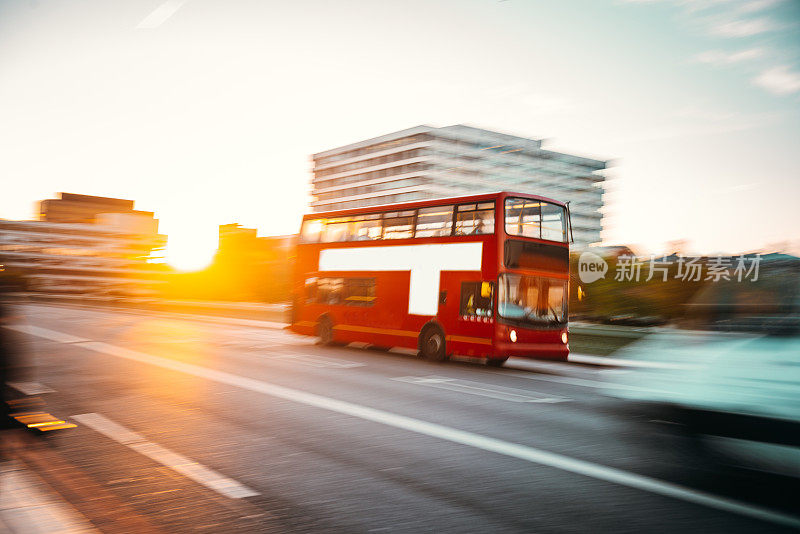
400 206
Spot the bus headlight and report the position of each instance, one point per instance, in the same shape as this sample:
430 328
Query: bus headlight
564 338
513 336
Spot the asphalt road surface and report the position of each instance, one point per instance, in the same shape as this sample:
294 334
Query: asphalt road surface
188 424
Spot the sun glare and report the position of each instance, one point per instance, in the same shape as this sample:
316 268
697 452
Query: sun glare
190 251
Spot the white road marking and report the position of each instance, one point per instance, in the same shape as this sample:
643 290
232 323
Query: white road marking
478 441
483 390
188 468
46 333
27 504
31 388
316 361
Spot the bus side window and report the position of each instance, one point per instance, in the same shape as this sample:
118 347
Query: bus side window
310 231
398 225
359 291
434 222
476 299
336 230
311 290
329 290
366 227
474 219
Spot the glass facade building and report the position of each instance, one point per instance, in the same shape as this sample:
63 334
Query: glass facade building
426 162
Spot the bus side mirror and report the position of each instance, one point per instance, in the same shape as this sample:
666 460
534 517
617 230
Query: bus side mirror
442 297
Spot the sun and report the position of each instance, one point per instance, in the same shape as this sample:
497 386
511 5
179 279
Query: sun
190 250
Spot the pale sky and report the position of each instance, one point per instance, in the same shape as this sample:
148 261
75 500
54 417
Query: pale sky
206 112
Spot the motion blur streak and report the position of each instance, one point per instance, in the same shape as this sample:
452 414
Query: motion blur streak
160 14
478 441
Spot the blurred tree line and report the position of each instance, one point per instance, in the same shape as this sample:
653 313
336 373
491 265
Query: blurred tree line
627 291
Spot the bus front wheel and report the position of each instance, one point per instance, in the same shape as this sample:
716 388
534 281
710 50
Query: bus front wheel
432 344
496 362
325 330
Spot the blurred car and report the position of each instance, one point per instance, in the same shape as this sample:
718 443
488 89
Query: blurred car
731 376
635 320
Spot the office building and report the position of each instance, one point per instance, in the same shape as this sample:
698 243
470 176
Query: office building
105 253
428 162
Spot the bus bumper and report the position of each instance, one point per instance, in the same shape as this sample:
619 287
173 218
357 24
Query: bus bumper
550 351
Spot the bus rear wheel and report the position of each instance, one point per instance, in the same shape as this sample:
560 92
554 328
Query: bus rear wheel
325 330
432 344
496 362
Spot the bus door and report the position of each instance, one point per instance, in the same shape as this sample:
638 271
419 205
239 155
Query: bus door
471 303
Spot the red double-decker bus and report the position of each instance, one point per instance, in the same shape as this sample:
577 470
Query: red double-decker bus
482 275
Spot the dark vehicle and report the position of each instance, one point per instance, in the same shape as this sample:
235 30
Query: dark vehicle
732 378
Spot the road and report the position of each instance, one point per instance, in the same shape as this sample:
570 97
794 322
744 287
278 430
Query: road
188 424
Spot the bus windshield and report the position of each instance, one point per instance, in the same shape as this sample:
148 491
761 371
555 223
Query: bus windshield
532 299
536 218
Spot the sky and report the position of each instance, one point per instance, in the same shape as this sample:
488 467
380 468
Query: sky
207 112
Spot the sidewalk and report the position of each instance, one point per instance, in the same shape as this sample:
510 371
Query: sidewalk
29 506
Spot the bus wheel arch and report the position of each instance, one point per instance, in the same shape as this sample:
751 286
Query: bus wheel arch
432 342
325 329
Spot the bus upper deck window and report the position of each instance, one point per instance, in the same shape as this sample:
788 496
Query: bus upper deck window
336 230
366 227
398 225
472 219
554 225
434 222
535 218
311 231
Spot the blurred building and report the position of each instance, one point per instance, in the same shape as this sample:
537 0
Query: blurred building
427 162
249 267
236 240
86 246
74 208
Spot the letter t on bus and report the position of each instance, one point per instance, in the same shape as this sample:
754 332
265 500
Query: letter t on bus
425 262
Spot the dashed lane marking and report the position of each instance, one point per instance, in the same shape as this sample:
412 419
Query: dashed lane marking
478 441
188 468
31 388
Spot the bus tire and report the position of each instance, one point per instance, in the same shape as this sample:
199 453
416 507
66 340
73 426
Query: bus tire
496 362
325 330
432 344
